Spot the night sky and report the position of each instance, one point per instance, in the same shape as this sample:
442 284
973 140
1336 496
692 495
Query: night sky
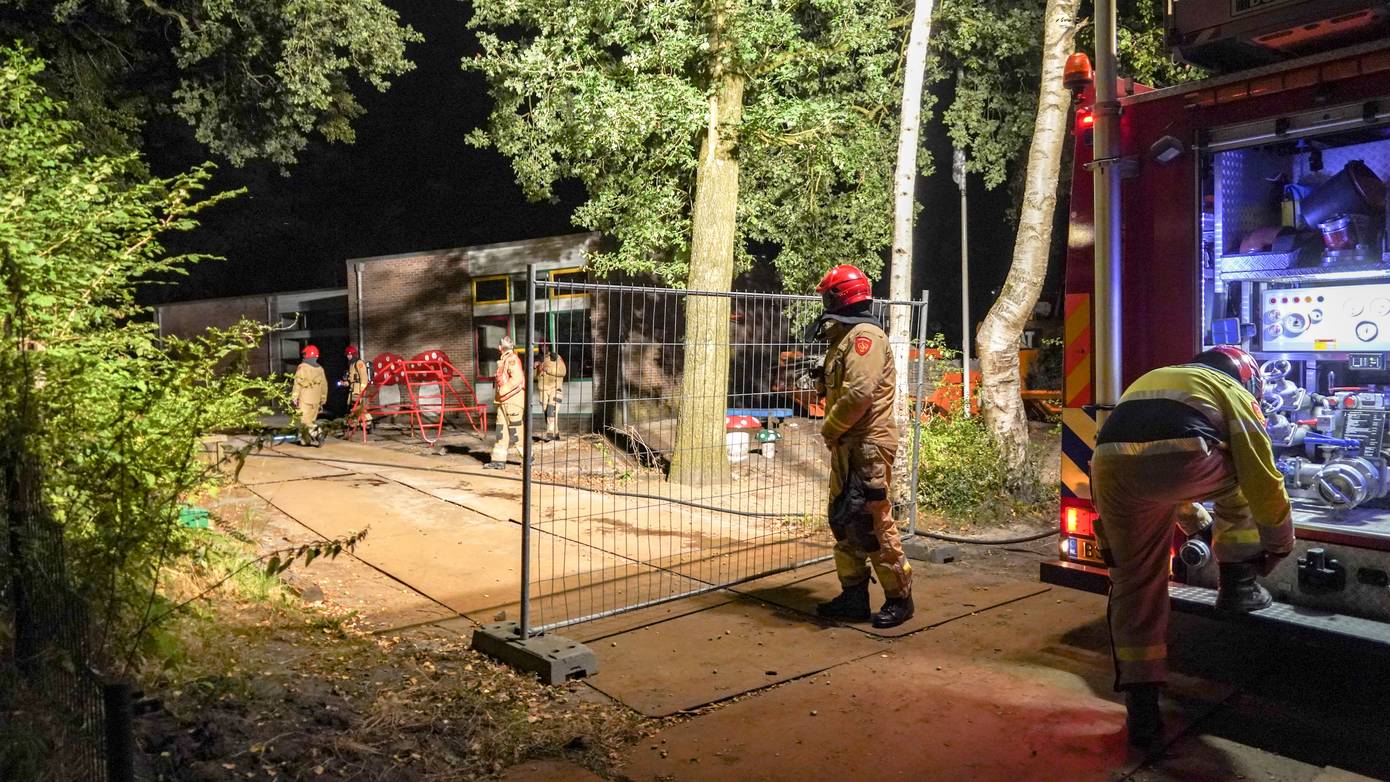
411 183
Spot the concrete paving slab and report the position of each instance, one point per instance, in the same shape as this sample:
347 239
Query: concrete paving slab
272 466
499 500
1215 759
966 704
718 653
1330 774
466 561
940 593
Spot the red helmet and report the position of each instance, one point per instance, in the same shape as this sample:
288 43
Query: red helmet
1235 362
351 351
309 351
842 286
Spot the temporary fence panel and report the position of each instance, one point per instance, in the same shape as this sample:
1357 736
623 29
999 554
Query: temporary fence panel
695 462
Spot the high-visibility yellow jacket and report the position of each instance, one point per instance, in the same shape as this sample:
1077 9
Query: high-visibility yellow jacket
1190 407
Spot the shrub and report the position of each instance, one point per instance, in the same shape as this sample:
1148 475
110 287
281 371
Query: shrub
102 418
962 475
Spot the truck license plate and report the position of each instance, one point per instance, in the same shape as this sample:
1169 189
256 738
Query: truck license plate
1085 550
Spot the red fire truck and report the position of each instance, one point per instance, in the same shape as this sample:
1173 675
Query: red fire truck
1248 208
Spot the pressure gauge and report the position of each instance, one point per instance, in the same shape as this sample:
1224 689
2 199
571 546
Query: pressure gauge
1315 316
1367 331
1353 307
1380 307
1295 324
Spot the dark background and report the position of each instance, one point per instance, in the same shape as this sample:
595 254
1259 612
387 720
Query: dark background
411 183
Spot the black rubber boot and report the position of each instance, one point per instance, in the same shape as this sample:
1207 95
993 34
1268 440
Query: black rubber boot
1239 593
1143 721
851 605
895 611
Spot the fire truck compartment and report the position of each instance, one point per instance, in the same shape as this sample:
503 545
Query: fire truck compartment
1295 266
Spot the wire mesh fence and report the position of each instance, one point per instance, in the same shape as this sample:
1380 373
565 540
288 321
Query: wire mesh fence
674 444
51 686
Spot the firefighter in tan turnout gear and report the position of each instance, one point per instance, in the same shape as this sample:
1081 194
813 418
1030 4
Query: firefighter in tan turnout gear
859 385
356 380
509 395
550 383
1183 435
308 394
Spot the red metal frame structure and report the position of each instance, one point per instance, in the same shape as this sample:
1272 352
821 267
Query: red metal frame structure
427 382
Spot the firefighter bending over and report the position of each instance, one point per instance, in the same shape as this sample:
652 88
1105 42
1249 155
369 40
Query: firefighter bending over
1182 435
550 382
356 379
308 394
859 385
509 394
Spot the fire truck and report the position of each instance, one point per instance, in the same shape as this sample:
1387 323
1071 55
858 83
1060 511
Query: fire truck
1247 208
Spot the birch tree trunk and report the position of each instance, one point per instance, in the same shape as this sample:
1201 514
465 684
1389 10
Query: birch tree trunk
905 180
1001 400
904 217
700 454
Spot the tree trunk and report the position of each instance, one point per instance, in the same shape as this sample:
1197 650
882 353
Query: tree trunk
905 212
1001 398
700 455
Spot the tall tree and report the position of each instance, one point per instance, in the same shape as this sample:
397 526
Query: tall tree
254 78
700 129
995 115
1001 397
905 195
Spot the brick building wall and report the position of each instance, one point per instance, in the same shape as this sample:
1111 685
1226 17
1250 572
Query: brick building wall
190 319
412 302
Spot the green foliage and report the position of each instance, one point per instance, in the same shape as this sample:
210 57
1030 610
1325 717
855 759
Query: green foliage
962 474
997 44
617 96
114 416
253 77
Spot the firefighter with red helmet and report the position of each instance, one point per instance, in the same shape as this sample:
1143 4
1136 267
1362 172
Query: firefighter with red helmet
1180 436
308 394
355 379
859 386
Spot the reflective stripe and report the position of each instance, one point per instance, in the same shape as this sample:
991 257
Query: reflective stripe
1180 445
1135 654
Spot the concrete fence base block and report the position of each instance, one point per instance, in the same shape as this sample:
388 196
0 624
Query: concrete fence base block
928 550
553 658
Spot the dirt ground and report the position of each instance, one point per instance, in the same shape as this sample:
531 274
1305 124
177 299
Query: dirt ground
366 673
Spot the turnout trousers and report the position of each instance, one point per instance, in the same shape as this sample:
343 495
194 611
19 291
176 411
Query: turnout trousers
1141 495
509 424
879 544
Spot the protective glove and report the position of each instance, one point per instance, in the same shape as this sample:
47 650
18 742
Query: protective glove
1193 518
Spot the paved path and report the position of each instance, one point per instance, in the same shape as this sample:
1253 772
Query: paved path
1002 680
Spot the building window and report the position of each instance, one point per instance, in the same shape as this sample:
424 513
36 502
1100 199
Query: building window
568 276
574 342
487 335
491 290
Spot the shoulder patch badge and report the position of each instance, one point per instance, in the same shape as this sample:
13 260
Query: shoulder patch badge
862 345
